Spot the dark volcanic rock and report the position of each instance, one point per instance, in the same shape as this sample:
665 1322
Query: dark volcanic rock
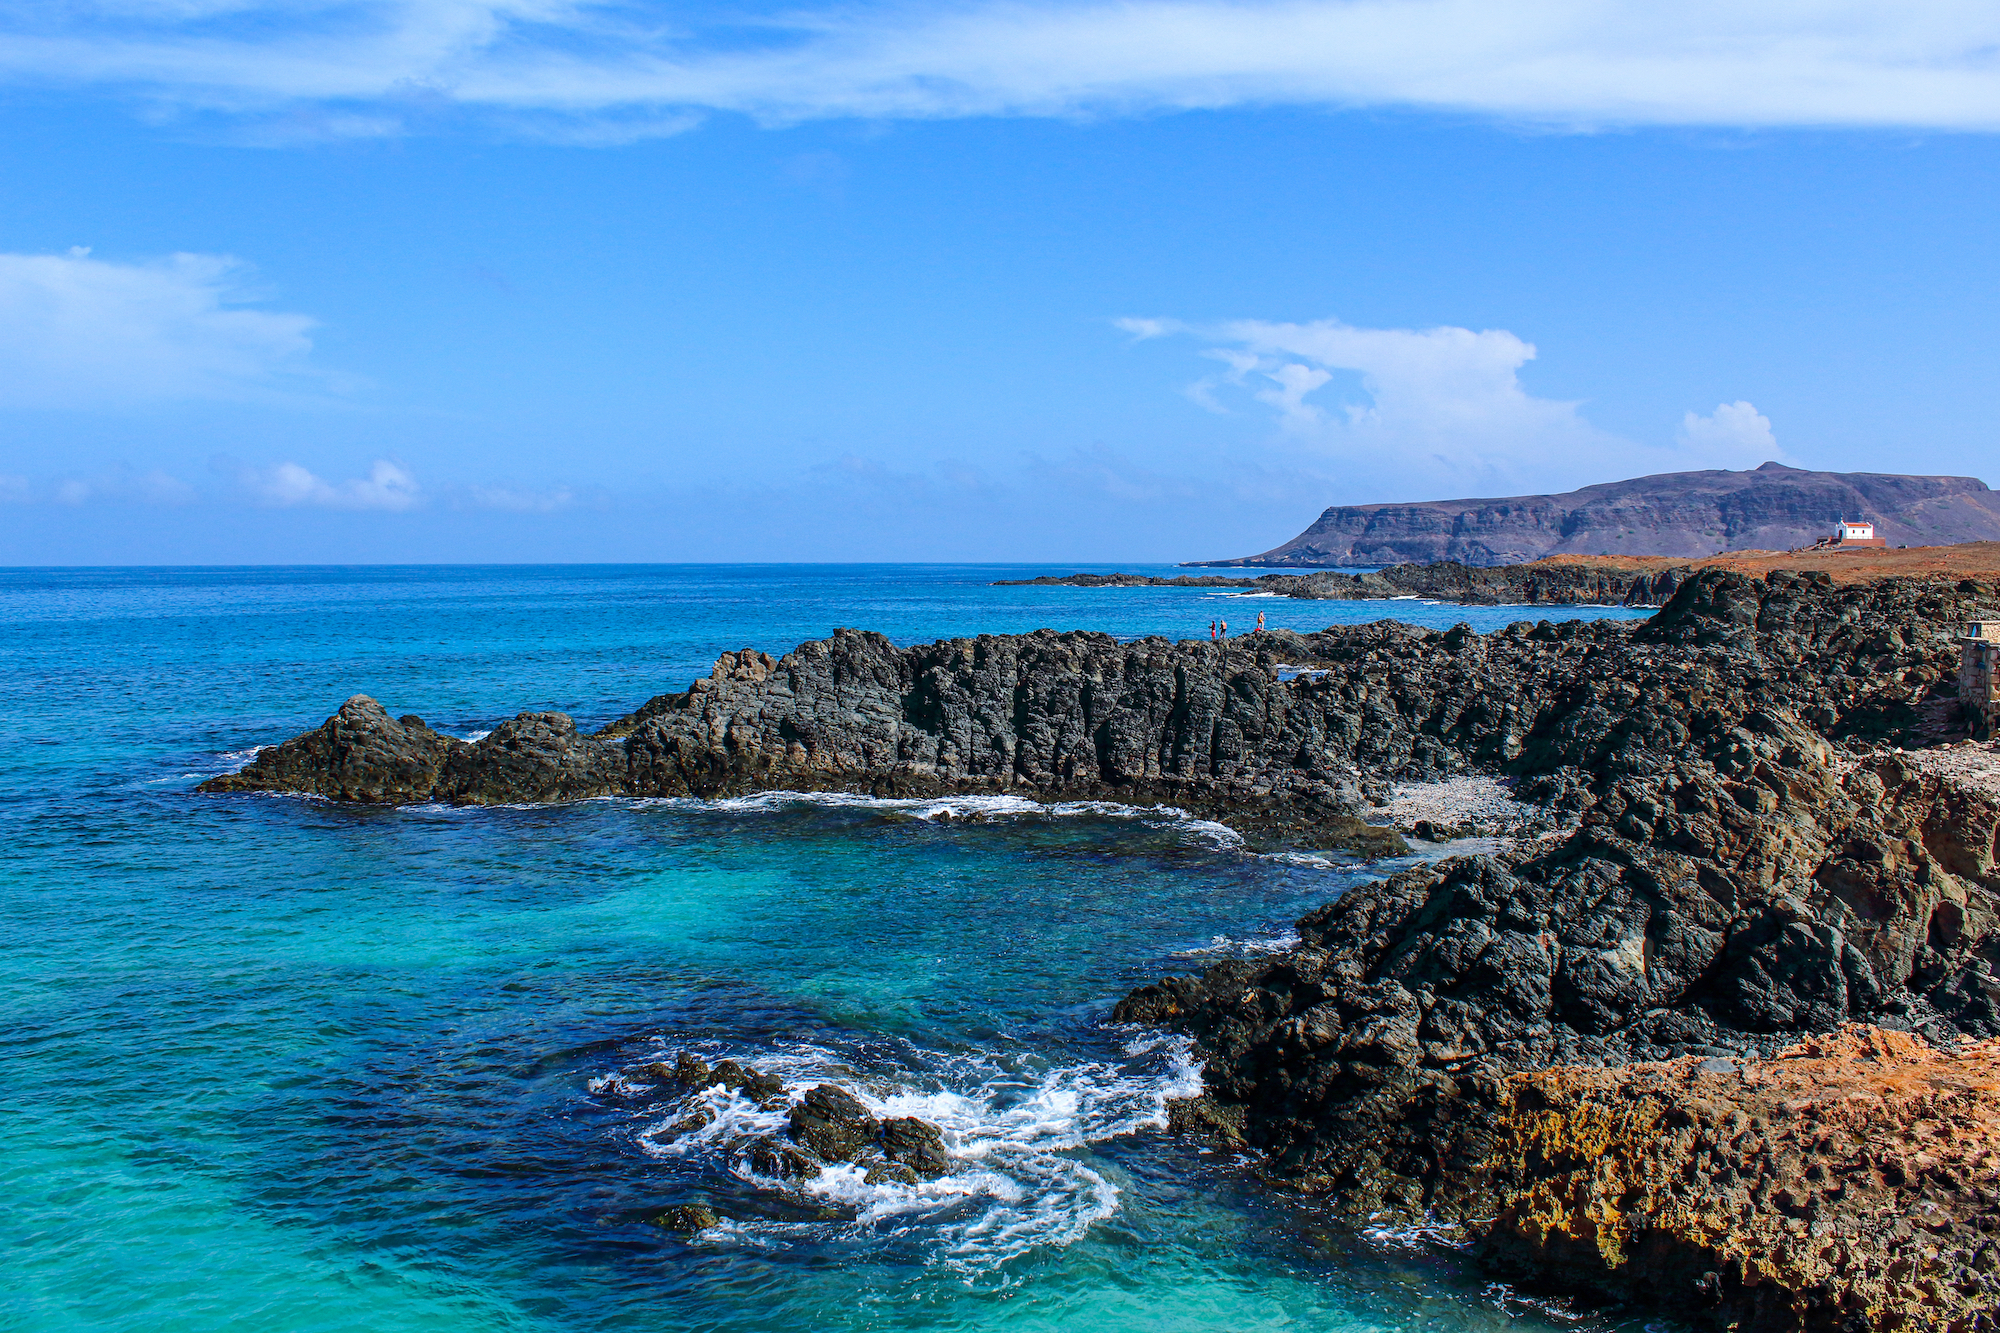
1551 583
1126 581
1207 727
916 1144
833 1124
689 1218
1564 584
782 1161
358 754
1672 514
1748 869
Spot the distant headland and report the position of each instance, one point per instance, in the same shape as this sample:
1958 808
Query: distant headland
1678 514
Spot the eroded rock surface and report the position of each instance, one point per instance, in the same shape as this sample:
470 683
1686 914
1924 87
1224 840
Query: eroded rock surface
1849 1182
1669 514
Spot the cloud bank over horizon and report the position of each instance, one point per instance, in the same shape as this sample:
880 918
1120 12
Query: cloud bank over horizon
597 71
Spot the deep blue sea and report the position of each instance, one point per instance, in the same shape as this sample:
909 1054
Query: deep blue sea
272 1064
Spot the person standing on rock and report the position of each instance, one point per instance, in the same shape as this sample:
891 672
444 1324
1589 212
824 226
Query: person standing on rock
1260 622
1211 631
1225 629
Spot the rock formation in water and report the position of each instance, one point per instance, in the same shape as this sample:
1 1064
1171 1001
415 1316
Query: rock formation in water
1673 514
1545 582
827 1126
1210 728
1743 874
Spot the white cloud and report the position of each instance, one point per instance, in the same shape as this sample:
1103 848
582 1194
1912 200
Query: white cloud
1437 411
78 332
1445 405
1734 435
387 486
637 65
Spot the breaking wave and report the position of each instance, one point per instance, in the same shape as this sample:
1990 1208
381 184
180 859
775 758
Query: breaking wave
1018 1136
967 809
1254 946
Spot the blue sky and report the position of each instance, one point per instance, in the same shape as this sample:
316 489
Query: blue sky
400 280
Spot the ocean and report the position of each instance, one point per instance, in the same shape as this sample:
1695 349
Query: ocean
276 1064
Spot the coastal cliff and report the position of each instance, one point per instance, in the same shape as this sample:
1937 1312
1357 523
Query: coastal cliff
1681 514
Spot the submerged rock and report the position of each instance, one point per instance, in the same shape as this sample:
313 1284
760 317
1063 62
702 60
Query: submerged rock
689 1218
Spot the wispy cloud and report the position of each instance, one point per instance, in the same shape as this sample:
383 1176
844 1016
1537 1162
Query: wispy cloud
1428 410
387 486
614 69
79 332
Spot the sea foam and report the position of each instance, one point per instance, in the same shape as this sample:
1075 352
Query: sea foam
1018 1138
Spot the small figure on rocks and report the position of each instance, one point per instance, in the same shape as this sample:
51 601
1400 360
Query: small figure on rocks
1260 622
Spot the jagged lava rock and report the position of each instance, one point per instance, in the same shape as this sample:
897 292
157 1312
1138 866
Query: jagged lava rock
1207 727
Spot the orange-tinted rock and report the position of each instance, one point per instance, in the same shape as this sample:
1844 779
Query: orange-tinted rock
1851 1182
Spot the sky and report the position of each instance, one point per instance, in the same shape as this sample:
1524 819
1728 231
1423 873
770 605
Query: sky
301 281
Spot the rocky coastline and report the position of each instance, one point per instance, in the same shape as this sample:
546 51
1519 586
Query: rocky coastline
1756 862
1751 863
1553 582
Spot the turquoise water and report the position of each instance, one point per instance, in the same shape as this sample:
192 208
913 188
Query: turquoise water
275 1064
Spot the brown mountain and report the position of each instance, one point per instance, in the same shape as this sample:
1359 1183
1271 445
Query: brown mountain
1773 507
